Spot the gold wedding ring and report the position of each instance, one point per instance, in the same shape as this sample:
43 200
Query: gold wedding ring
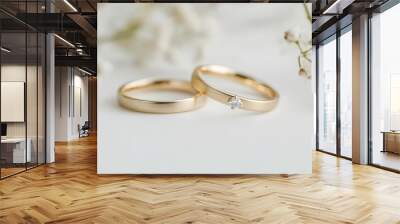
234 101
161 107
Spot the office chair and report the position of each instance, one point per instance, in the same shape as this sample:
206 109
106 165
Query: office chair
84 130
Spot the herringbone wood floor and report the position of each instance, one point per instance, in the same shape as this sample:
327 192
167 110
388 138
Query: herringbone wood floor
70 191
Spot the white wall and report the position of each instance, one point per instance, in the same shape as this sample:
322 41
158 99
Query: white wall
80 103
70 83
62 81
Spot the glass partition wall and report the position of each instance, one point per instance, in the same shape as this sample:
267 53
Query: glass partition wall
385 90
13 89
334 85
22 77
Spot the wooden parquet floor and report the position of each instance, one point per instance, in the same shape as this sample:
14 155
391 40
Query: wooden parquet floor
70 191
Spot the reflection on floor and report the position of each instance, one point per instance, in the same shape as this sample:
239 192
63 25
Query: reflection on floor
10 169
70 191
346 152
387 159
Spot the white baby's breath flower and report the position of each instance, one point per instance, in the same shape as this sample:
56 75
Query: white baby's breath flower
167 33
305 67
291 36
301 38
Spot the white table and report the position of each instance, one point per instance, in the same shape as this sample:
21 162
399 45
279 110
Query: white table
19 155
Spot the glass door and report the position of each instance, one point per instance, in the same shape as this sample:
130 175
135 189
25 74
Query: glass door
327 96
334 71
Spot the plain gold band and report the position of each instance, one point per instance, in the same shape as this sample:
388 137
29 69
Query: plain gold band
271 96
160 107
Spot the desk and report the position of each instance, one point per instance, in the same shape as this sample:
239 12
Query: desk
391 141
13 150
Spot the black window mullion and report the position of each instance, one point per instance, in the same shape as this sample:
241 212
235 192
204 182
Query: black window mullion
26 87
338 91
26 120
37 90
317 96
369 91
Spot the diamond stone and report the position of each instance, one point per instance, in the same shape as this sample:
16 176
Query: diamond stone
235 102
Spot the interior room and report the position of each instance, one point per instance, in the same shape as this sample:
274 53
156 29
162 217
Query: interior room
25 65
50 134
22 100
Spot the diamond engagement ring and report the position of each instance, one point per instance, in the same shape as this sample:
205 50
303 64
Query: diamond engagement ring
269 102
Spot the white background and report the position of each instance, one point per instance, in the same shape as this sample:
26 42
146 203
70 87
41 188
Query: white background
213 139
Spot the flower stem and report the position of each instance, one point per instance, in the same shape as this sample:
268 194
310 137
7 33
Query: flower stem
308 14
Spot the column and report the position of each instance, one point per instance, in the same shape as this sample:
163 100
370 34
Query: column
360 90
